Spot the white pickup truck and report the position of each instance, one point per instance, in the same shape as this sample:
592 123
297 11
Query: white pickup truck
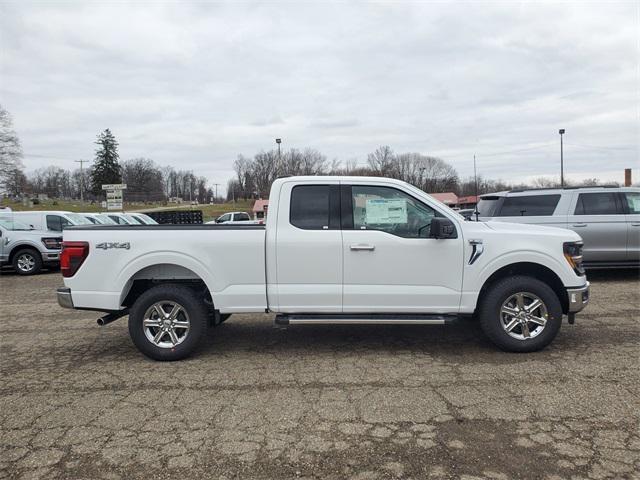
335 250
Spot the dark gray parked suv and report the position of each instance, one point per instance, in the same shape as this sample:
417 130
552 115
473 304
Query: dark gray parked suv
607 218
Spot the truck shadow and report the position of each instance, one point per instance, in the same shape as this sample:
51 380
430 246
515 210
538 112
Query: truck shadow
614 275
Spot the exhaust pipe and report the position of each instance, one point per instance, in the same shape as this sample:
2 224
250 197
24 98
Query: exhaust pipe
112 317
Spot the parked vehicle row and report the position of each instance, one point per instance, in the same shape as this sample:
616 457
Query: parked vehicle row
335 250
32 240
236 218
607 218
27 249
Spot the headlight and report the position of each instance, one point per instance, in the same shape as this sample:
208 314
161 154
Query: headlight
573 253
53 243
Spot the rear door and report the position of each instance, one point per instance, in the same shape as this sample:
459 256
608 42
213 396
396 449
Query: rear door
309 248
538 209
390 264
631 200
598 217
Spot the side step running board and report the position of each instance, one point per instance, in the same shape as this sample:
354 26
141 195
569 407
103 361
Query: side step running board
363 319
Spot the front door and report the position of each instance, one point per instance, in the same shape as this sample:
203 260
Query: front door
632 200
308 249
390 264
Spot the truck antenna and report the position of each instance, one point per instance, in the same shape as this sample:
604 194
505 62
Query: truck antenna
475 180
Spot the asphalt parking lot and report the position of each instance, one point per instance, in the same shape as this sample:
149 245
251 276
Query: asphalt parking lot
79 401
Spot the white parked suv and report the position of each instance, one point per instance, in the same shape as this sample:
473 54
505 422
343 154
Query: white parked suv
335 250
607 218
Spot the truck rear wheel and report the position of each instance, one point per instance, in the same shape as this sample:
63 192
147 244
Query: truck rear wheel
168 322
27 262
520 314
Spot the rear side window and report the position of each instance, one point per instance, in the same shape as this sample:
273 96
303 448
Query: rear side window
310 207
529 205
597 204
240 217
633 201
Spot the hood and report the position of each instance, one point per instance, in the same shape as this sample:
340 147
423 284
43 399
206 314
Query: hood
505 227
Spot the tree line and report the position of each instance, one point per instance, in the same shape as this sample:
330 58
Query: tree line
148 181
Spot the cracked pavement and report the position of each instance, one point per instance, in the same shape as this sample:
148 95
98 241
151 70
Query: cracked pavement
79 401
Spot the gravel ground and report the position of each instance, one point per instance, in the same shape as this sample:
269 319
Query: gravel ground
78 401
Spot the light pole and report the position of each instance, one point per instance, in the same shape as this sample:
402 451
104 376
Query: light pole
561 132
279 141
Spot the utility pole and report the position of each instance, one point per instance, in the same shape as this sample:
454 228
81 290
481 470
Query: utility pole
561 132
81 179
216 197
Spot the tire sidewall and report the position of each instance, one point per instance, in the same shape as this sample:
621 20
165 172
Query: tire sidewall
197 317
498 294
37 266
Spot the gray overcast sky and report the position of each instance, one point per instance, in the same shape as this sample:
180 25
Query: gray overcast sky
192 85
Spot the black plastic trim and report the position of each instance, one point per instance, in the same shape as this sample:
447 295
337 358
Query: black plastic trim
203 226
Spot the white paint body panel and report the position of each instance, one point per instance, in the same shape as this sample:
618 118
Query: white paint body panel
290 270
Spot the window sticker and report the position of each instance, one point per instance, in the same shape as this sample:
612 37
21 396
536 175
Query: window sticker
381 211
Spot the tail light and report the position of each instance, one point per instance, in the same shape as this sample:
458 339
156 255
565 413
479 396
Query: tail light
52 243
573 253
72 256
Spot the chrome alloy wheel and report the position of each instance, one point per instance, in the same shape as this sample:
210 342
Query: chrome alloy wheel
26 262
523 315
166 324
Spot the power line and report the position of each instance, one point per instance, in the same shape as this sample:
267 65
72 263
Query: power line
602 148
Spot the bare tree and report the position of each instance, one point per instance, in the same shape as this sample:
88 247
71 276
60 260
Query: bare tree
381 161
10 154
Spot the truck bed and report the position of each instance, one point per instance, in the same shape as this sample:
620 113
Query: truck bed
230 259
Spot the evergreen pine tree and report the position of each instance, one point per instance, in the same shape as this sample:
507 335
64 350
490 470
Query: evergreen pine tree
106 168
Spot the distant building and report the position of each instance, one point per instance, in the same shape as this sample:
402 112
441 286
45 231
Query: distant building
450 199
469 201
260 209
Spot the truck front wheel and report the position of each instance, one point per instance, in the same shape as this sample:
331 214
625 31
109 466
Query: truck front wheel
520 314
167 322
27 261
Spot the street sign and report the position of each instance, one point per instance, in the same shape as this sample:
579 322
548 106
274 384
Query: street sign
114 186
114 195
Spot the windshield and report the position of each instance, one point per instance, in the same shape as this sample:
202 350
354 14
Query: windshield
105 219
78 219
146 219
11 224
487 206
133 220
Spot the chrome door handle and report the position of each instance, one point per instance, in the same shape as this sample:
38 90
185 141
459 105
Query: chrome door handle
635 224
579 225
362 247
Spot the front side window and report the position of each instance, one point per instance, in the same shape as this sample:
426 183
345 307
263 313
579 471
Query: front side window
597 204
224 218
54 222
529 205
633 201
391 211
310 207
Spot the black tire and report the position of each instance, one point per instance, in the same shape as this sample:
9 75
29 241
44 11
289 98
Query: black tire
224 317
489 314
196 315
27 256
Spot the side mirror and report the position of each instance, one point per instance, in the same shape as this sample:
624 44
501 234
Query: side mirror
442 228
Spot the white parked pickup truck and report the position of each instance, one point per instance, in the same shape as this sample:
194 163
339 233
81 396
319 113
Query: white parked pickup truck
335 250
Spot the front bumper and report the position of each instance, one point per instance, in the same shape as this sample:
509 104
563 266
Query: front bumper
578 298
51 257
64 298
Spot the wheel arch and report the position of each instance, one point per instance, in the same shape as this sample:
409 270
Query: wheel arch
531 269
163 273
23 246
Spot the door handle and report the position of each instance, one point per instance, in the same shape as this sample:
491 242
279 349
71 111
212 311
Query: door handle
362 247
635 224
579 225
